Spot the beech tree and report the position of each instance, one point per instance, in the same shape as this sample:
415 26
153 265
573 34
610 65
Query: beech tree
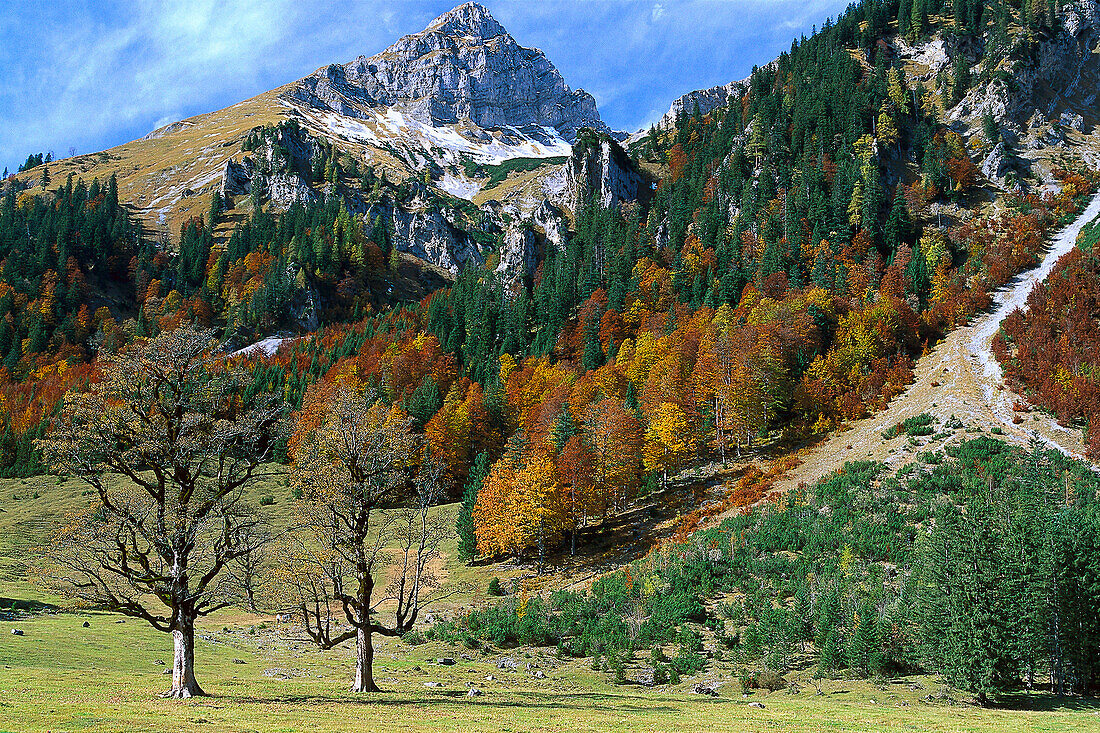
352 459
668 442
169 450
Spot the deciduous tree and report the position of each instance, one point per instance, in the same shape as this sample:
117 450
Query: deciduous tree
352 459
169 449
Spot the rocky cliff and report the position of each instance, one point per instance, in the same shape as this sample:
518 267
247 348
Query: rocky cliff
423 226
703 99
278 168
599 168
527 238
1039 87
1053 77
464 67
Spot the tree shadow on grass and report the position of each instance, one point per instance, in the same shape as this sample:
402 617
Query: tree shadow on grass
25 606
1045 702
578 701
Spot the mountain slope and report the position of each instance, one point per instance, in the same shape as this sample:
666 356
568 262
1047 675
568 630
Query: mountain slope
958 379
442 105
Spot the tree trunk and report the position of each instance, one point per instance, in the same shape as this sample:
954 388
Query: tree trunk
184 684
364 662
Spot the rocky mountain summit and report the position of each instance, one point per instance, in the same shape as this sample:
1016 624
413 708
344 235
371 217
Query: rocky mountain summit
463 68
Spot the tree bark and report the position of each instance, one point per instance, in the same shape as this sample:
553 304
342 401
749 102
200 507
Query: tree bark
364 662
184 684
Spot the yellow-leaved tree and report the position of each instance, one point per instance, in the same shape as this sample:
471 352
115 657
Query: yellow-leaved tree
521 504
668 442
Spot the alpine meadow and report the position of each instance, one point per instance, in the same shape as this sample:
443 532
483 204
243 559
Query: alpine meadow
412 395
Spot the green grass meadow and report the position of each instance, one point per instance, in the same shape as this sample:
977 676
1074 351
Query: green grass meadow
61 676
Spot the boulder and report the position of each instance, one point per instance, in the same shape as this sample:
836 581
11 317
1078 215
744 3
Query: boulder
1072 120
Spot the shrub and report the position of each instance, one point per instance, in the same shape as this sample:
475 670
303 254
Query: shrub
414 638
267 500
660 674
495 588
764 679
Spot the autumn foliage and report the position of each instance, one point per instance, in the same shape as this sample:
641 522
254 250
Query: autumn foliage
1051 351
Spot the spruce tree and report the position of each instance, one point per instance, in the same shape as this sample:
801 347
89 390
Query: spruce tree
464 523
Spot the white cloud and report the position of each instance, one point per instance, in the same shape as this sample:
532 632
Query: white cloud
92 80
92 75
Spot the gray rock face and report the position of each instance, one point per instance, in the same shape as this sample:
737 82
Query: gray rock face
278 169
424 229
552 222
600 168
518 253
527 238
236 179
996 163
1067 62
705 99
464 66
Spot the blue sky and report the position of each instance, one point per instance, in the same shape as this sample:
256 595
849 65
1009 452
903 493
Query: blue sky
91 74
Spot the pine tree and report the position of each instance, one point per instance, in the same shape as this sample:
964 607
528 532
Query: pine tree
464 522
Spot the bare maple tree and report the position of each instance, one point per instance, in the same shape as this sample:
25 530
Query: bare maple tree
169 449
364 547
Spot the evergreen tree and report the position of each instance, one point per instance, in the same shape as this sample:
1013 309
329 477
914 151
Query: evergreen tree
464 523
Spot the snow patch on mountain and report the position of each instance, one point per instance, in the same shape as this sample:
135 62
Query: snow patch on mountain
444 144
459 186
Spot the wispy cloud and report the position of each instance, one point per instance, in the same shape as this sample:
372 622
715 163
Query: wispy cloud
93 75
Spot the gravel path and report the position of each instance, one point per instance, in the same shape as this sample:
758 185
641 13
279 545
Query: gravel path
960 378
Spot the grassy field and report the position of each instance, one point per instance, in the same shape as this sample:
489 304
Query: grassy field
60 675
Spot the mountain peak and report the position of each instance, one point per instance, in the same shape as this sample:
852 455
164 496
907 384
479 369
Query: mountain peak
464 67
468 19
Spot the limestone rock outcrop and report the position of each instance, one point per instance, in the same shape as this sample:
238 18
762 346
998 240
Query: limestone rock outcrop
277 168
463 67
599 168
703 99
423 227
1067 60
